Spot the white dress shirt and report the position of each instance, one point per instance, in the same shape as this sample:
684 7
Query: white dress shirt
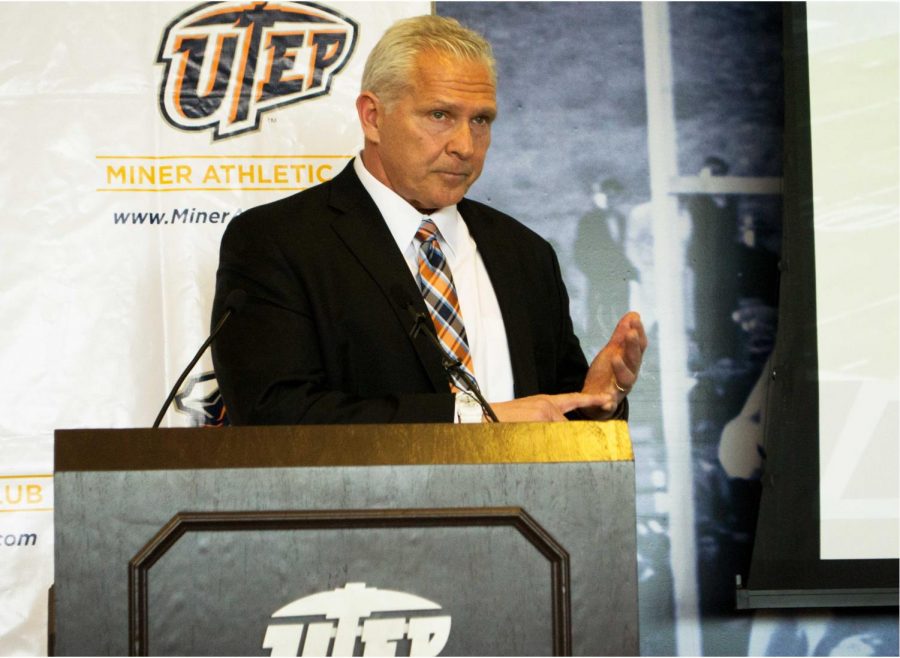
478 303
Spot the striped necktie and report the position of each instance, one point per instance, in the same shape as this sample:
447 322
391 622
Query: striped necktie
436 283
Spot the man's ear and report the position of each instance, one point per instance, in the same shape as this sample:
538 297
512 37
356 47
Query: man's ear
370 110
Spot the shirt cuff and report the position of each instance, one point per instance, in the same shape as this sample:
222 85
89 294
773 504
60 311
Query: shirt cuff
467 409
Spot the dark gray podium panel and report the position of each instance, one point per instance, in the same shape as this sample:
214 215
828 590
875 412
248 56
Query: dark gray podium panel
186 557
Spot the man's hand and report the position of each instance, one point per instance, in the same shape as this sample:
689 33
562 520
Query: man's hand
611 376
614 370
541 408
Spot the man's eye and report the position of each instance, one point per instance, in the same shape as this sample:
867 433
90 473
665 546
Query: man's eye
439 115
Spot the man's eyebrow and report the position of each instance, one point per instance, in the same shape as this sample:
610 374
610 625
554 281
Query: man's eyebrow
443 103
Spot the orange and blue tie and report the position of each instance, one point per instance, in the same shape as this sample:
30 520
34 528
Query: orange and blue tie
436 283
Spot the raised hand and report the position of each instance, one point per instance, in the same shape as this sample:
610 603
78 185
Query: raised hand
614 371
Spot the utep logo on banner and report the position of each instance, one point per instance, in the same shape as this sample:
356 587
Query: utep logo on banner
227 63
351 607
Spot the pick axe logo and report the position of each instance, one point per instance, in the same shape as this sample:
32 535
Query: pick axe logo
228 62
358 620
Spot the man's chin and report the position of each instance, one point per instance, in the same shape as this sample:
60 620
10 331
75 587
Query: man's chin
435 197
450 195
437 202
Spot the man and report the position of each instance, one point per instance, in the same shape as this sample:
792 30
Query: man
334 276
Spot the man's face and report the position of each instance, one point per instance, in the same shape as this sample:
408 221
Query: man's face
429 144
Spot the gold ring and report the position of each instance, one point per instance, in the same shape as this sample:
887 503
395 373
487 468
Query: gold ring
621 390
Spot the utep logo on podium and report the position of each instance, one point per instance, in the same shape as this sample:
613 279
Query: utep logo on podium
348 612
228 62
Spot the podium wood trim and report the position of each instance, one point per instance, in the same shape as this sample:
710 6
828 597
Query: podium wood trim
341 445
186 522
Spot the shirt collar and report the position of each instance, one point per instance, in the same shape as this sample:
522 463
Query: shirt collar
401 218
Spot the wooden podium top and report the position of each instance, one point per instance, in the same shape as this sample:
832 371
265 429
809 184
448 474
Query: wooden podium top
340 445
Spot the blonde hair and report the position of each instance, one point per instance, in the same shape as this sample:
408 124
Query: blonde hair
390 65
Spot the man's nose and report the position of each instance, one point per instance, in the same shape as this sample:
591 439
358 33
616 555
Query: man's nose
461 143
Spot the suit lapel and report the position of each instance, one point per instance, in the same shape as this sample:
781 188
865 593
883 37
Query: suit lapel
502 268
362 229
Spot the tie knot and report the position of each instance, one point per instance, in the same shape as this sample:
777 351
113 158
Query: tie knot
427 230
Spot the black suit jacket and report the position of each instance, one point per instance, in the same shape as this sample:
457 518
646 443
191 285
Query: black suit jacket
324 334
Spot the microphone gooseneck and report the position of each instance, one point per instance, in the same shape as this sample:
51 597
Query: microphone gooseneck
452 366
233 304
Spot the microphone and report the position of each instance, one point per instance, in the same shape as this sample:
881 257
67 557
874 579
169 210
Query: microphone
452 366
233 304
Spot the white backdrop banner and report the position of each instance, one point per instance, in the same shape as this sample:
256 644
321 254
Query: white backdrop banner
133 132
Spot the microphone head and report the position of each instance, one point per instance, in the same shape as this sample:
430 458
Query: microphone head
235 300
402 299
399 296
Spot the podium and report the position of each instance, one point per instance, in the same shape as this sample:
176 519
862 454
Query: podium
494 539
